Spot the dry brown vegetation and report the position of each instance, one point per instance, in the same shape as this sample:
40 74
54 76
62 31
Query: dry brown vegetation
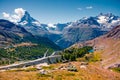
92 72
25 44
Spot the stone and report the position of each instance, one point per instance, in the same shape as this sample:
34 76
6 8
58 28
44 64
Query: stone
83 67
43 71
84 63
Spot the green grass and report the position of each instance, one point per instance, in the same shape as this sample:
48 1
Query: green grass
94 57
48 67
44 75
70 74
16 70
22 53
30 69
26 70
116 69
77 79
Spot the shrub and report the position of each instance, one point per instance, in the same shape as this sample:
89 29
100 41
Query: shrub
92 57
48 67
30 69
73 53
43 75
117 69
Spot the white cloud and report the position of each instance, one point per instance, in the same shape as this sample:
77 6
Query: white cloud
6 15
89 7
15 16
79 8
18 14
9 17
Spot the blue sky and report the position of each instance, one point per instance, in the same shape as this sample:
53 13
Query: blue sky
61 11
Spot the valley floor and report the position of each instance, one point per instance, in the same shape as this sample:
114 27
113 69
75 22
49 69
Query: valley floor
92 71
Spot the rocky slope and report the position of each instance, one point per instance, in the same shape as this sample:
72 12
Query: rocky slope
11 33
108 45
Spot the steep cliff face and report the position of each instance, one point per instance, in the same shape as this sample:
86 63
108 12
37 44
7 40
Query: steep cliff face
115 33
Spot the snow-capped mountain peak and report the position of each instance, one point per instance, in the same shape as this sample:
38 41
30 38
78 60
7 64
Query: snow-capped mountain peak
107 17
28 19
102 19
108 21
32 25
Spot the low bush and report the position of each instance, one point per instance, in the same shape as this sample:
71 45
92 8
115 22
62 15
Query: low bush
116 69
30 69
43 75
48 67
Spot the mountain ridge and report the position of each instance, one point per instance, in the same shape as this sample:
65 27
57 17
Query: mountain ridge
16 34
64 33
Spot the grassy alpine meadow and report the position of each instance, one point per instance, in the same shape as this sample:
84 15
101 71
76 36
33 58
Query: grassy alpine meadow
91 72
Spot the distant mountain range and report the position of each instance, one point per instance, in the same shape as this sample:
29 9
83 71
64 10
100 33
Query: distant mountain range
66 34
11 34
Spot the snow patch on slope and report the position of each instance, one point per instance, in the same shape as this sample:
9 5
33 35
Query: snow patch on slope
115 21
23 23
36 23
102 19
